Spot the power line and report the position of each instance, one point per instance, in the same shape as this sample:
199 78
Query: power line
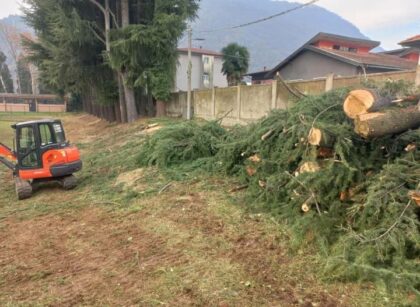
262 19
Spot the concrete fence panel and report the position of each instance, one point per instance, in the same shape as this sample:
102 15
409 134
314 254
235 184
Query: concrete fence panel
178 105
51 108
226 100
283 97
14 107
203 106
353 81
248 103
255 101
310 87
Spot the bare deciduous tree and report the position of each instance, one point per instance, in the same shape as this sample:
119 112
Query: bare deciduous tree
13 40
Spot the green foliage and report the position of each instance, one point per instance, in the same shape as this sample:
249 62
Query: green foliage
70 50
235 62
361 217
5 76
177 144
67 54
147 52
393 88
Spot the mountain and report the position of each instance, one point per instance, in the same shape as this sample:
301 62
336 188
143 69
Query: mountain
268 42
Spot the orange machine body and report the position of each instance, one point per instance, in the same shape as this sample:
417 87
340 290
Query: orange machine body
51 158
42 152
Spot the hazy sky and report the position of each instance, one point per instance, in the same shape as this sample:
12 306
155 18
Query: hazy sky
389 21
8 7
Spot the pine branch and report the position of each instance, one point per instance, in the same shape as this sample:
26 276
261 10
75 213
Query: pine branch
92 27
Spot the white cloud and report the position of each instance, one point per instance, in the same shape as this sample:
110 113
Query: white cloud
373 14
9 7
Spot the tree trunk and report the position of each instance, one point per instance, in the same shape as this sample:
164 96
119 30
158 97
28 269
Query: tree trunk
125 13
107 17
117 112
130 100
317 137
390 121
122 103
160 108
2 84
360 102
33 70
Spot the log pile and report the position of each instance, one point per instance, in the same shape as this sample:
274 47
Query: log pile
341 169
376 116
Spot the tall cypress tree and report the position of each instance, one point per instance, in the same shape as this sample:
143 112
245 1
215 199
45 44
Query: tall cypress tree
72 39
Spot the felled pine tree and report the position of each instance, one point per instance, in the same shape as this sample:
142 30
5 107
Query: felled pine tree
347 194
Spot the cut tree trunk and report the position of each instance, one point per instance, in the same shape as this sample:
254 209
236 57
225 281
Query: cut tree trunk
415 196
387 122
363 101
309 167
317 137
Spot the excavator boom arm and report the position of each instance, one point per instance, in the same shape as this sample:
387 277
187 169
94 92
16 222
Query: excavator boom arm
7 157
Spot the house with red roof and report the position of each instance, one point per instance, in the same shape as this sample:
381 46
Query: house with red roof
341 55
409 51
206 69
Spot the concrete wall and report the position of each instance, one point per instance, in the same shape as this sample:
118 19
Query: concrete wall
51 108
14 107
320 66
244 104
181 78
24 107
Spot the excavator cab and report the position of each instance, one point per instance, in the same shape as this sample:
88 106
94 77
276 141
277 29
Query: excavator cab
42 154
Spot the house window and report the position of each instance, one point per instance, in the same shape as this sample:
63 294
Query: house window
336 47
206 60
206 80
353 49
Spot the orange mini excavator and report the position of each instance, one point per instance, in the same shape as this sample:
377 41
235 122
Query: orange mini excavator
42 154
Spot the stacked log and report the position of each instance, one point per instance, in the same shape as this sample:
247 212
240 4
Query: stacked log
364 101
376 116
390 121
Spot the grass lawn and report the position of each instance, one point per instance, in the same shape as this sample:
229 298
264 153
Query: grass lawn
139 236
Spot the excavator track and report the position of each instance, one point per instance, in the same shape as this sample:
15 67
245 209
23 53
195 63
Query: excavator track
68 182
23 188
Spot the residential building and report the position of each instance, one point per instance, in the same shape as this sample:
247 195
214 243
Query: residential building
206 70
408 50
329 53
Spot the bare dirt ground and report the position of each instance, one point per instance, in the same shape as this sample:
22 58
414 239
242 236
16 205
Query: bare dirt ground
190 245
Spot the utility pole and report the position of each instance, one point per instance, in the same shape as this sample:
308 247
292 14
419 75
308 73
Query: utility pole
189 73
